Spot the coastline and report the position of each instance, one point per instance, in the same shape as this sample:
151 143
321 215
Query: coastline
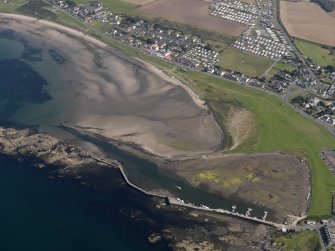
119 140
182 166
151 142
25 143
141 149
196 99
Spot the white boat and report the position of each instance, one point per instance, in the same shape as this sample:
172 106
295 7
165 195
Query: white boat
178 187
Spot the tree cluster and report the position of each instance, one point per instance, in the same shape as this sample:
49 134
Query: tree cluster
327 5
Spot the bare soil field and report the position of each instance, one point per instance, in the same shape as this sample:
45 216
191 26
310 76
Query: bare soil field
240 124
308 21
273 180
192 12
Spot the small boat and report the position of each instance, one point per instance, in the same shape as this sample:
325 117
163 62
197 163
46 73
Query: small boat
178 187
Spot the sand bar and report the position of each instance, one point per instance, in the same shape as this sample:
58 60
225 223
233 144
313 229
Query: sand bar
118 96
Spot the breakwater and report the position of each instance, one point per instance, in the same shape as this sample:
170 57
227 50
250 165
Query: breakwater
180 203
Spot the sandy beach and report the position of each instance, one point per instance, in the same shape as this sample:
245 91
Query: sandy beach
120 97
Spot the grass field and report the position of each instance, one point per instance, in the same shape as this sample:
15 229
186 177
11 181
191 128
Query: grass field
279 128
70 21
115 6
278 68
11 6
304 241
283 67
237 60
319 55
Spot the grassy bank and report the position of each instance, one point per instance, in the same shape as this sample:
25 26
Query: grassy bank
10 6
279 128
304 241
319 55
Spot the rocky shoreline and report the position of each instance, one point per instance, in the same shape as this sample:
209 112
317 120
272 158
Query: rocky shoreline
79 164
48 149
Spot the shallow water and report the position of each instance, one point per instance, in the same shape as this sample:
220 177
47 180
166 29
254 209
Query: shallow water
95 86
42 214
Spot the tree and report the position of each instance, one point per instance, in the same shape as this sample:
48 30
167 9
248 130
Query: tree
327 5
330 68
209 47
298 100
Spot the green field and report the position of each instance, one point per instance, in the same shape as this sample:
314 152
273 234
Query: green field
303 241
115 6
278 68
319 55
40 9
283 67
68 20
279 128
11 6
237 60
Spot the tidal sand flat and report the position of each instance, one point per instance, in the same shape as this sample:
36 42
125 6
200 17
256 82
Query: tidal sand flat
94 86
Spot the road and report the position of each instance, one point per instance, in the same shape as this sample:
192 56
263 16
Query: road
315 227
297 53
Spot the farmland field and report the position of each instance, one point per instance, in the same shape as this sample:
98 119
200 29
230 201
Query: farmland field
308 21
319 55
192 12
237 60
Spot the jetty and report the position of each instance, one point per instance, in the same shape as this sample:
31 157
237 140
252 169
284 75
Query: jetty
180 203
176 202
116 164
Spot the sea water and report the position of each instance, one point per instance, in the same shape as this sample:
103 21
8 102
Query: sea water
42 214
38 213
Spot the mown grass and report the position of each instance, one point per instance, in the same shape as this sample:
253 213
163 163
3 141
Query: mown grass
303 241
319 55
279 128
237 60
